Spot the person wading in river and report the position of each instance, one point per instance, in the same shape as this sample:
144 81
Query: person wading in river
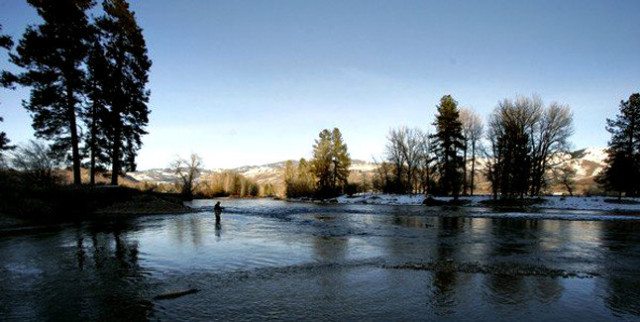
217 209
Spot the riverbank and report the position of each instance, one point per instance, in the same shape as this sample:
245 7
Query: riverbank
55 204
598 203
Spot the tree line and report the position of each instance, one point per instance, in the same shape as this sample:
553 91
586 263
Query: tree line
87 78
441 163
522 150
519 149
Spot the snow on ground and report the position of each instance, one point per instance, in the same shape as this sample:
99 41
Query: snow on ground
256 171
551 202
365 166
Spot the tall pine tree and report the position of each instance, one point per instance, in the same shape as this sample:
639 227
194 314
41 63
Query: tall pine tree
330 163
125 86
322 162
96 112
622 173
6 80
449 143
341 161
52 55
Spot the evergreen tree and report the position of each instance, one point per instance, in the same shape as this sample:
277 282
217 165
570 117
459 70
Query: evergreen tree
322 162
6 80
449 142
341 161
96 112
53 54
304 176
622 173
127 68
330 163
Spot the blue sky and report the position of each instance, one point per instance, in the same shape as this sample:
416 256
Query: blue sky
253 82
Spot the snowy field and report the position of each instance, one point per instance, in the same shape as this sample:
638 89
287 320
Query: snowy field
551 202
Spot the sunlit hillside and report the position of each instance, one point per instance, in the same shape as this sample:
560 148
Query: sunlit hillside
586 162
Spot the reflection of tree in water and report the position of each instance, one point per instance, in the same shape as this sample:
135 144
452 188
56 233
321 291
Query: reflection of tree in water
513 236
330 249
514 240
117 287
82 273
445 281
623 294
188 226
622 281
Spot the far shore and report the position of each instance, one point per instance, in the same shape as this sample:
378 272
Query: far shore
574 203
156 204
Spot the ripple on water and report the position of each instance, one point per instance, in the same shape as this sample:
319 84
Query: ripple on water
274 260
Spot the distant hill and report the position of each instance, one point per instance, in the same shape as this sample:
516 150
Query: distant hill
587 162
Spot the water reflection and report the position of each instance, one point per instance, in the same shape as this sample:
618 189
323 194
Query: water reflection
623 289
218 229
275 259
89 273
189 229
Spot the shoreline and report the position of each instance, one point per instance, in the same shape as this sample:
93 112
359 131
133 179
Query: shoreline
551 207
568 203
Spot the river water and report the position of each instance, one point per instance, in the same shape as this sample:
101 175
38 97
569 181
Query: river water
270 259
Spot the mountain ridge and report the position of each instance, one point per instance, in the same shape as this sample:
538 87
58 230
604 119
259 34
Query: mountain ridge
587 162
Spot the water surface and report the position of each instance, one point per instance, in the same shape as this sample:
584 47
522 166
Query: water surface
275 260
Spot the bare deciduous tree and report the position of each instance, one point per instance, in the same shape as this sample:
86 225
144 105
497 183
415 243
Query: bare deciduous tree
472 129
188 171
524 137
36 162
405 151
553 131
565 176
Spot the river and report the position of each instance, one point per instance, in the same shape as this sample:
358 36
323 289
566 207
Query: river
270 259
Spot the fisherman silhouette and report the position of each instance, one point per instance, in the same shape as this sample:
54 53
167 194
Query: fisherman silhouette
217 209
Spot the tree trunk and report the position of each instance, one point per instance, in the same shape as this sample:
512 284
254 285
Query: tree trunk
115 153
75 153
464 169
117 106
473 166
427 185
92 170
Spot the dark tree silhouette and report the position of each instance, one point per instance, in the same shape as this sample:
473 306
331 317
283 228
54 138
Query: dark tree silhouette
127 66
448 143
524 138
6 80
52 55
622 173
96 113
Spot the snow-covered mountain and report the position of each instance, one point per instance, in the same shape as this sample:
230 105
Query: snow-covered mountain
262 174
587 162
